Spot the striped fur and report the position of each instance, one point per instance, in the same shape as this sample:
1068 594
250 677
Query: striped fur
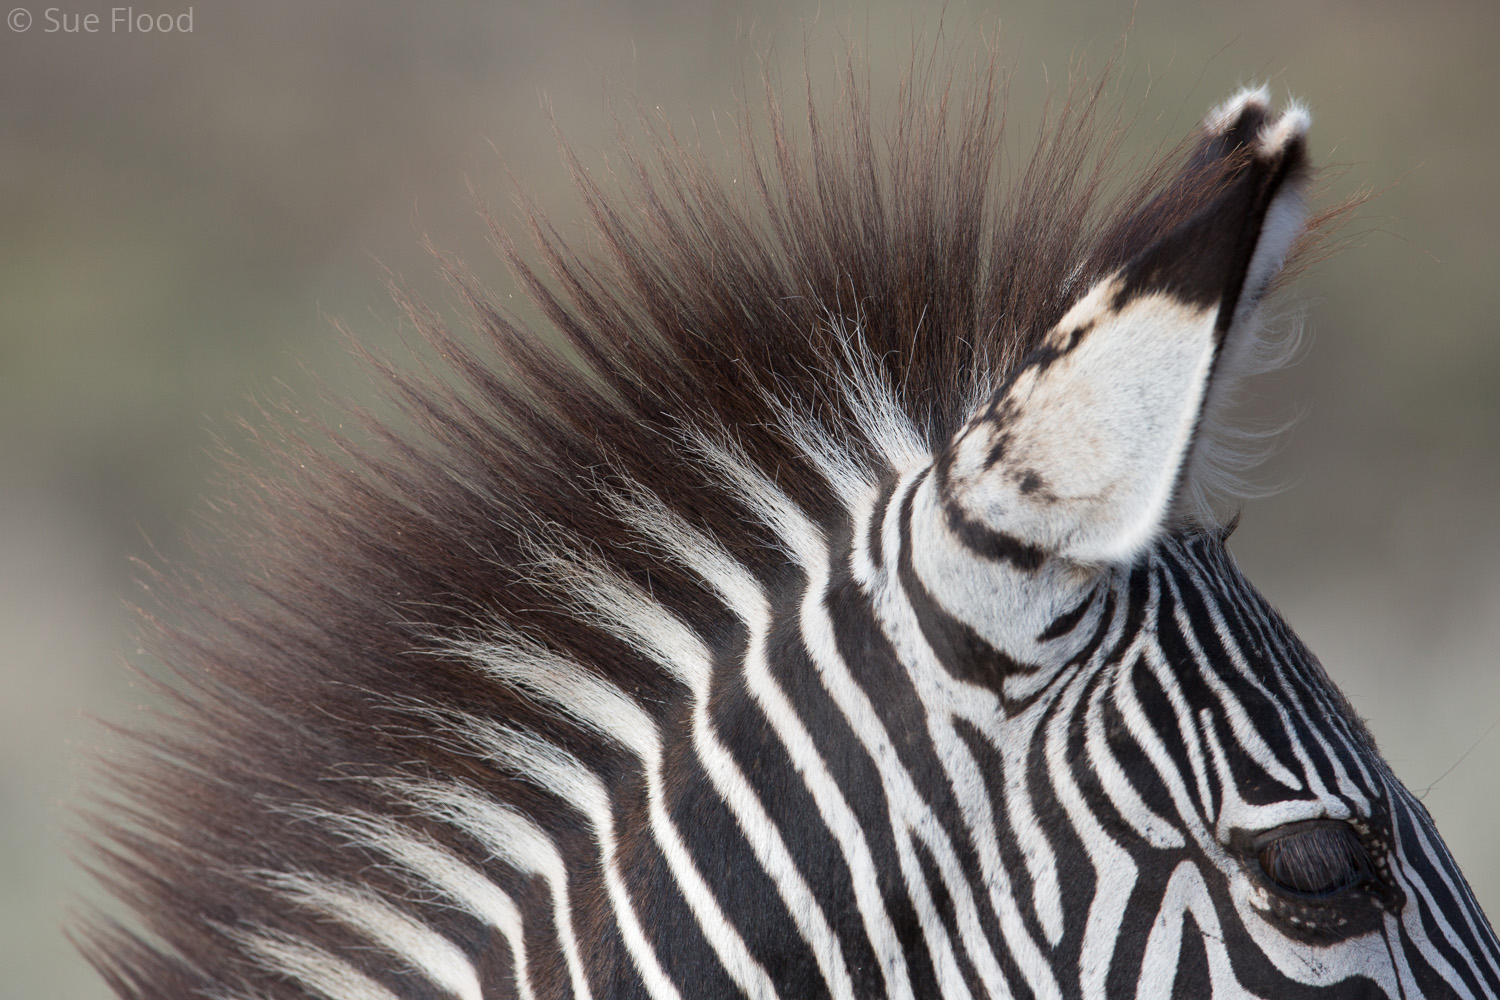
845 626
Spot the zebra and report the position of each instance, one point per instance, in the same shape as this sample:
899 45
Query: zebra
835 603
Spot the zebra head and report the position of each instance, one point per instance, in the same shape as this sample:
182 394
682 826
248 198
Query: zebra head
843 619
1175 787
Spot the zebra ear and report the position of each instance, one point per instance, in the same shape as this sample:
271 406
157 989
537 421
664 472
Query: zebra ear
1081 453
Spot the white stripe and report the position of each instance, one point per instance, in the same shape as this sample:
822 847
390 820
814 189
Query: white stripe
1413 883
1237 814
314 968
1160 833
910 813
565 776
939 945
428 952
1166 676
1323 713
632 616
1290 699
577 693
516 841
1409 987
1245 732
743 595
944 697
804 544
1114 871
1142 730
454 878
1186 893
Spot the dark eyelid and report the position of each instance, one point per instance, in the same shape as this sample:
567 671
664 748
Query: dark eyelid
1315 859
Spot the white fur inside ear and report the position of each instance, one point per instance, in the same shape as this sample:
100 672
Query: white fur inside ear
1081 456
1282 225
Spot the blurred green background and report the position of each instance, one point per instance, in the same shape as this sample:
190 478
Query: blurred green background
181 215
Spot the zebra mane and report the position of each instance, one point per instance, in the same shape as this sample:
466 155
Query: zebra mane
831 311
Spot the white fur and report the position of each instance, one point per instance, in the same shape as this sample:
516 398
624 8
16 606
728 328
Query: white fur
1226 112
439 868
426 951
1290 125
877 409
1228 446
1106 426
1114 871
851 481
514 840
314 968
946 698
603 707
1186 893
558 771
806 546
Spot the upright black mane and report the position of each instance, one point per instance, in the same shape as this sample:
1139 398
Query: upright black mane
309 665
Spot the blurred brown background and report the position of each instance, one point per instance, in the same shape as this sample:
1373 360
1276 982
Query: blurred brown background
181 214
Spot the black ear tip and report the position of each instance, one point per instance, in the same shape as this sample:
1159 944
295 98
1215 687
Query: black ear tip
1246 121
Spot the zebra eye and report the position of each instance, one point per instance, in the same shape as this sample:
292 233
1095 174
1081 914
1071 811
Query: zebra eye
1314 859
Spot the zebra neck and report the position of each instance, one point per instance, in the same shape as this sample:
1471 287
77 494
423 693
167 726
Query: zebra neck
989 621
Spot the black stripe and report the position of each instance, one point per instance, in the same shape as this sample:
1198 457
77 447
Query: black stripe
982 540
961 650
1068 620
